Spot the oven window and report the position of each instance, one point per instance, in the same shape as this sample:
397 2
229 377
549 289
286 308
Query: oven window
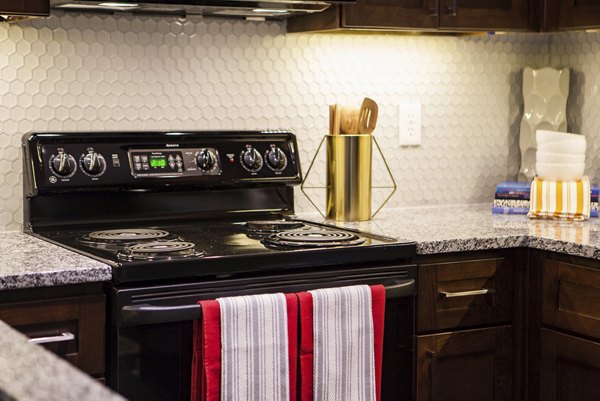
153 362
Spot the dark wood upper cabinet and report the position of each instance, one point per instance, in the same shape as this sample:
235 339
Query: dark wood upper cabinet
425 15
413 14
25 7
489 15
572 14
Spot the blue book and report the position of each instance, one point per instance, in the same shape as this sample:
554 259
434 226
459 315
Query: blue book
513 186
521 191
512 195
509 210
521 210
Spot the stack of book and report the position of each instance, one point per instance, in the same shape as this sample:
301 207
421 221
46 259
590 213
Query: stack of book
512 197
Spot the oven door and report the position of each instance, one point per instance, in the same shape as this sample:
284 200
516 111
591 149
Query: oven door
150 339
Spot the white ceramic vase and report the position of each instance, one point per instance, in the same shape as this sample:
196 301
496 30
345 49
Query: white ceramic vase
545 93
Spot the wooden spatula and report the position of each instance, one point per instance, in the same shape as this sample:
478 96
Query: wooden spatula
367 118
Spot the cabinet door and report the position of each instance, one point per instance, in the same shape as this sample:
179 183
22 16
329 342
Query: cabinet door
489 15
72 328
25 7
466 365
408 14
570 368
571 297
578 13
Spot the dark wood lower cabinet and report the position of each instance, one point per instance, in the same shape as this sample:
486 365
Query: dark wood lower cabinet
473 365
570 368
72 326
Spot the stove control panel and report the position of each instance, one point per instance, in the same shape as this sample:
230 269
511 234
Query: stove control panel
152 159
174 162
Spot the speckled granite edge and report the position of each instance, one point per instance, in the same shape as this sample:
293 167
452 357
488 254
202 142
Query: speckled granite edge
54 278
470 244
29 372
29 262
569 248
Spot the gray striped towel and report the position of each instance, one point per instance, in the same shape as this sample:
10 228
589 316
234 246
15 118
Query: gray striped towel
344 366
254 348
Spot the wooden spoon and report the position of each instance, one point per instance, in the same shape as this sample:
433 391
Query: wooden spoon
349 120
331 117
367 118
336 119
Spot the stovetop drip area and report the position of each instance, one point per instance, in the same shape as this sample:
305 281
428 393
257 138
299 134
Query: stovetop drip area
248 246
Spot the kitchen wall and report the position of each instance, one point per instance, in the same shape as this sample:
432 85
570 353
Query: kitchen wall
82 72
580 51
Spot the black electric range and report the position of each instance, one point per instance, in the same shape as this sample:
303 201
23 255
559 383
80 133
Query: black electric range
185 216
168 205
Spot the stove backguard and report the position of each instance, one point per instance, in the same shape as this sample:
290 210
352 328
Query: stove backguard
88 179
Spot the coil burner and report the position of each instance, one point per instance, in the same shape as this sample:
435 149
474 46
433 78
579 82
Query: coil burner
261 229
312 238
117 239
159 250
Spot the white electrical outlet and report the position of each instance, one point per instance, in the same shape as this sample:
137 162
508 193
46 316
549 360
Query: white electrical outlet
410 124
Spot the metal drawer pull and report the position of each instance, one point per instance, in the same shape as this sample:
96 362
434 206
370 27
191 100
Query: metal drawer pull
53 339
448 294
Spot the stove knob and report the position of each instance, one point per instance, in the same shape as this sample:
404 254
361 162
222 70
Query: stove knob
276 159
251 159
63 164
93 164
205 160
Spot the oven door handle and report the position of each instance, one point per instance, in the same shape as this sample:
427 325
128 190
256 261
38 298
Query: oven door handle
399 290
152 314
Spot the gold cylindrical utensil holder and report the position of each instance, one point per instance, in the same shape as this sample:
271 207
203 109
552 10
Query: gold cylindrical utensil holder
348 188
349 177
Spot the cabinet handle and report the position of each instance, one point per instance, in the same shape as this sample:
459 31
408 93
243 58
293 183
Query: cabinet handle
452 9
435 9
53 339
448 294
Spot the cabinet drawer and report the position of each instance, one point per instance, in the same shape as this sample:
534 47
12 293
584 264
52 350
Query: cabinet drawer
73 328
571 297
466 293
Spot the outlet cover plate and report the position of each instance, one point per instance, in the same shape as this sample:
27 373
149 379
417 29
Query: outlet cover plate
409 126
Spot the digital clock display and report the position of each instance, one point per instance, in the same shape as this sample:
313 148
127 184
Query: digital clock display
158 161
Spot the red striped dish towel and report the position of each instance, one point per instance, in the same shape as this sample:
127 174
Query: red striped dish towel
341 343
245 348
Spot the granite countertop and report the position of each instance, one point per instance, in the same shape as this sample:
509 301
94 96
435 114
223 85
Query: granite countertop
440 229
29 262
29 372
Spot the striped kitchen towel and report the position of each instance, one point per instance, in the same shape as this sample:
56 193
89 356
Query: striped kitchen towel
206 359
566 200
341 343
256 338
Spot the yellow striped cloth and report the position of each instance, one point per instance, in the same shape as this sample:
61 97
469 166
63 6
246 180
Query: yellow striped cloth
564 200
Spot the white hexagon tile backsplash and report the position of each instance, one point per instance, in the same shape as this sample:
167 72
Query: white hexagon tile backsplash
580 51
90 72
